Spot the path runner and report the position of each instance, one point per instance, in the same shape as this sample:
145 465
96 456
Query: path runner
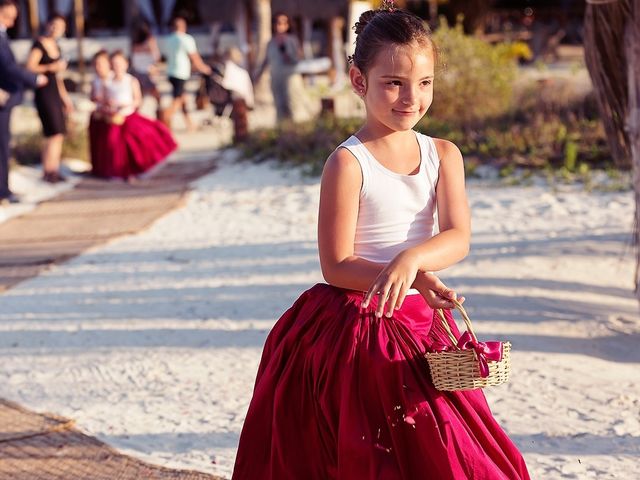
37 446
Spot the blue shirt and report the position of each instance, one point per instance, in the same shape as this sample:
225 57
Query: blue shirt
178 46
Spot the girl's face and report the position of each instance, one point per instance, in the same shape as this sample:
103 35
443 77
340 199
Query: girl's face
102 66
57 28
119 65
398 89
281 24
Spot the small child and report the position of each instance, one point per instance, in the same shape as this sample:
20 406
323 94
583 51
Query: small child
102 160
343 389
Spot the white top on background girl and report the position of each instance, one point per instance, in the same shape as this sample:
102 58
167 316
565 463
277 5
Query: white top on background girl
123 90
396 85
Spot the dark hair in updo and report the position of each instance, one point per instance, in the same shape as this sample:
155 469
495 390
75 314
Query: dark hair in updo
376 29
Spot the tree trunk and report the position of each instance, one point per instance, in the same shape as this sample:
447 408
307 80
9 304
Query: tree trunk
632 51
605 57
262 10
34 18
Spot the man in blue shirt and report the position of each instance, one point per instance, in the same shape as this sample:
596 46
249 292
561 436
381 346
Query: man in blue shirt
13 80
182 55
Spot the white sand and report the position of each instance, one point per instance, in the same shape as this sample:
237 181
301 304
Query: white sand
152 341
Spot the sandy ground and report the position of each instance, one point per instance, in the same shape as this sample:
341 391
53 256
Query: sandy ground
152 342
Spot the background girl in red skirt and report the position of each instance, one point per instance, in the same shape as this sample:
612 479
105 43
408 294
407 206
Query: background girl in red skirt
343 390
131 143
106 161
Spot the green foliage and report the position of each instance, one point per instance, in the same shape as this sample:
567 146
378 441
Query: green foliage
512 123
549 124
28 147
307 144
475 79
76 143
570 155
550 136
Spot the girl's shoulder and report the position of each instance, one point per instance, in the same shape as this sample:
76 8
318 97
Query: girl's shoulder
343 162
342 156
446 149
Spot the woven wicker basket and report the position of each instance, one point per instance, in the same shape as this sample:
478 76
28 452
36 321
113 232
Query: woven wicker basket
459 369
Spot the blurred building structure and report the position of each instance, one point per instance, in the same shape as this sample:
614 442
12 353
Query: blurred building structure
324 27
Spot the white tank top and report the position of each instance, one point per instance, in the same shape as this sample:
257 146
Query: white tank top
396 211
121 93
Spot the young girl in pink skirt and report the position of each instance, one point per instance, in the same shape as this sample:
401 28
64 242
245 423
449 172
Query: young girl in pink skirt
343 390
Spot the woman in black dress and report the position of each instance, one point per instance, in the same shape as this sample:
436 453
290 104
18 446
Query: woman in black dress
52 100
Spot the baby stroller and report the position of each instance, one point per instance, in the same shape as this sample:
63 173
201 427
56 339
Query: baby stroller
212 92
225 102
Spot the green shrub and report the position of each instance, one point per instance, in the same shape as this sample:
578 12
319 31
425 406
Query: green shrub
474 80
307 144
27 147
76 143
480 105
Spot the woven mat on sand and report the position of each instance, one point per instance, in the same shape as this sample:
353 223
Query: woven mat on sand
91 213
37 446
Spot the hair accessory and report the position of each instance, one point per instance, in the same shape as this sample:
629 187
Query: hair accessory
388 5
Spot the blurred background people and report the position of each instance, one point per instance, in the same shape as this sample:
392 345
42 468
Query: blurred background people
102 157
145 56
13 80
52 100
283 54
182 56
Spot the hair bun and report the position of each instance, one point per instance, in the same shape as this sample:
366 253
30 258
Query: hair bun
364 20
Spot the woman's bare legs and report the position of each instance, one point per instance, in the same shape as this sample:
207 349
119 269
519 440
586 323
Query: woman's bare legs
51 154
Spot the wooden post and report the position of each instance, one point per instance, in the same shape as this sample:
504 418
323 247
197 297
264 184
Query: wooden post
79 20
327 107
338 57
307 25
262 10
34 18
240 120
433 13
